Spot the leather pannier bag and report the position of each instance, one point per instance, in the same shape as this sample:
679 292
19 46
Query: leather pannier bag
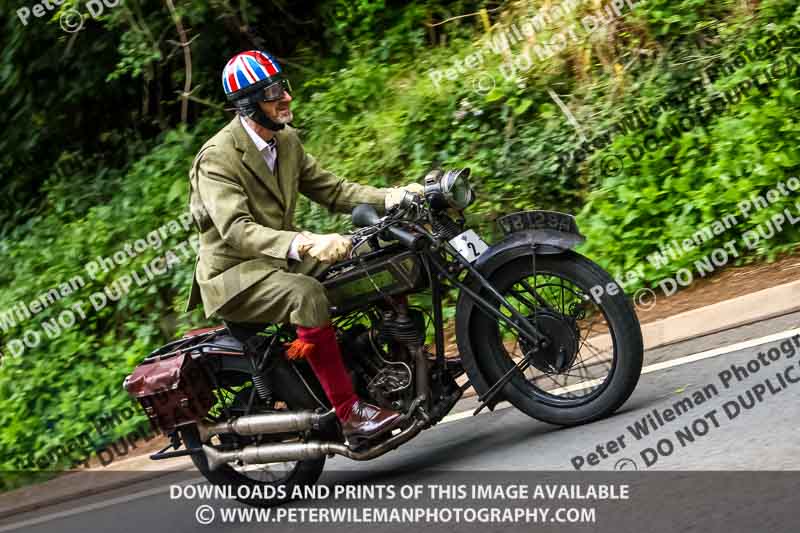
171 386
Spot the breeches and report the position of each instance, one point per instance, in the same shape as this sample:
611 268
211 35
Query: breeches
291 296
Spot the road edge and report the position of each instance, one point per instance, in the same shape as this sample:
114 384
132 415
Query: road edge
742 310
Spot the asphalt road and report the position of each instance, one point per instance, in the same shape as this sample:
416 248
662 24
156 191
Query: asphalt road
721 420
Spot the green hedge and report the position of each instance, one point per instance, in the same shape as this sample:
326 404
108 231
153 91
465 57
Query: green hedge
371 112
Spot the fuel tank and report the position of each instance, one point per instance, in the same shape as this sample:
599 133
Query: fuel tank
369 278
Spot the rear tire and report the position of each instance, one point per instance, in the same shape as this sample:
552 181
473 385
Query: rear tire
616 312
304 473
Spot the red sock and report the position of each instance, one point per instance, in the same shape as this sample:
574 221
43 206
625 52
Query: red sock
319 347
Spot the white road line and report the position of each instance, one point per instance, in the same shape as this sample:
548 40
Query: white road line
95 506
708 354
655 367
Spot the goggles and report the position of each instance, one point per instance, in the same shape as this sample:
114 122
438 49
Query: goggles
274 91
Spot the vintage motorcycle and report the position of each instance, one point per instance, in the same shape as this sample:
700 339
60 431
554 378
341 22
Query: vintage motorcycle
530 329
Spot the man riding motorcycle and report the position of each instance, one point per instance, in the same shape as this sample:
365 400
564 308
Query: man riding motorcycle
253 265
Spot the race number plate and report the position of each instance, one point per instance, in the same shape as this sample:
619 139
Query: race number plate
469 245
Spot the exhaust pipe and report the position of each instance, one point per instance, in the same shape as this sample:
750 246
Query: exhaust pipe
267 423
269 453
301 451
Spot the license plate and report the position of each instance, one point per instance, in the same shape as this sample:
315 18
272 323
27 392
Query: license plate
469 245
533 220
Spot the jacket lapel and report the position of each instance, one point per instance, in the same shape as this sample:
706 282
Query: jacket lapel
285 167
254 161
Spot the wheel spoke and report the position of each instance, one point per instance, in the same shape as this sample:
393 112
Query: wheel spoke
558 307
535 293
593 350
519 296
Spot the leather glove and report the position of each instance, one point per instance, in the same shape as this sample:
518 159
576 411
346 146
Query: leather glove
327 248
395 196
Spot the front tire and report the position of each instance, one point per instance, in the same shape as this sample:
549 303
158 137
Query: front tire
559 390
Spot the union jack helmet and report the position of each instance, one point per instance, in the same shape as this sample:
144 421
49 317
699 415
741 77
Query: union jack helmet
248 72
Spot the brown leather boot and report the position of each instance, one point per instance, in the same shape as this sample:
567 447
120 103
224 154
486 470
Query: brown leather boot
366 421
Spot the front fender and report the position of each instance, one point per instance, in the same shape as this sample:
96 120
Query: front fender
546 241
519 241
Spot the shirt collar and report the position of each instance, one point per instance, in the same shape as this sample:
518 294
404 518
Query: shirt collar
260 143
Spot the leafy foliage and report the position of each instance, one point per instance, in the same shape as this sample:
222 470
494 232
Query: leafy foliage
700 176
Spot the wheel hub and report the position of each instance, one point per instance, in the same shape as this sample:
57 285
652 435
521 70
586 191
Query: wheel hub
559 353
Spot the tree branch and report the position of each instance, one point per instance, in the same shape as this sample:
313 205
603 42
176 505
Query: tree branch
187 60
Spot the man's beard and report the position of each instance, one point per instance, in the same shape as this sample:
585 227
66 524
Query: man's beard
283 116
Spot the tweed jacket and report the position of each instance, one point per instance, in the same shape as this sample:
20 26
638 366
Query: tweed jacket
245 213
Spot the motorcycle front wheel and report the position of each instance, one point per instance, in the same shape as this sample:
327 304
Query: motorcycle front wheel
593 359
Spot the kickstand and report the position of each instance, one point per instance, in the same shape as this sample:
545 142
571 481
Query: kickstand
175 443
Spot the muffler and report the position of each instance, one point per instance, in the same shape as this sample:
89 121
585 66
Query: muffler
301 451
267 423
270 453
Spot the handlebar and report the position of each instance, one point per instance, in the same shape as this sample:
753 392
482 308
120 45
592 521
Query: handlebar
365 215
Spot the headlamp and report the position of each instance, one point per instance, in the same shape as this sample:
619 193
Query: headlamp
450 189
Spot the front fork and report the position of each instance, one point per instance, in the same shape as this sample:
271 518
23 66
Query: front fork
528 331
516 321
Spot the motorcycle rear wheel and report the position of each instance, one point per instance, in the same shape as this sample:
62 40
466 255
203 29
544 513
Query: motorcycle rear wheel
303 473
555 386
